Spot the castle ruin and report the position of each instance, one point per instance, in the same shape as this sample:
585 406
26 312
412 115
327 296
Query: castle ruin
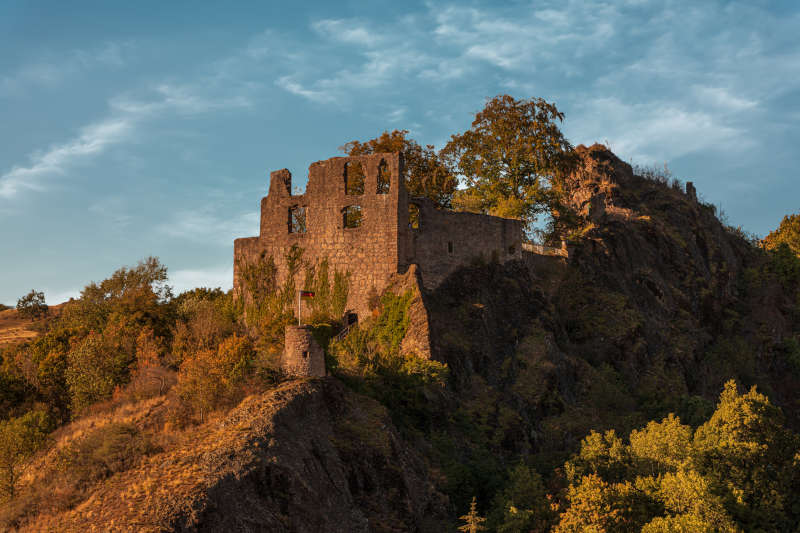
357 213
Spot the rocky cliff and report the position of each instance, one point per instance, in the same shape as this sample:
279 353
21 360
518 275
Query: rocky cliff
658 304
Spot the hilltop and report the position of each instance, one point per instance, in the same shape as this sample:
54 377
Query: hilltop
656 308
14 328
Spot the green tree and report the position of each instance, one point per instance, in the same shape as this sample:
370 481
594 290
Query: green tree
93 371
690 505
20 438
513 159
32 305
426 175
745 449
598 506
736 472
787 233
472 521
661 446
522 505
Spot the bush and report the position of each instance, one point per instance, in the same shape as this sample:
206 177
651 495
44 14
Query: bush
369 359
32 305
20 438
204 319
113 448
210 377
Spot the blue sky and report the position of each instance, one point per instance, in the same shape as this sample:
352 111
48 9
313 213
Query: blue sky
149 128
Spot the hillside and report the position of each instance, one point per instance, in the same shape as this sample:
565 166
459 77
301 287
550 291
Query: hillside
14 328
303 457
658 306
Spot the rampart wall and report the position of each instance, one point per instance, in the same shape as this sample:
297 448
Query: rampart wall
446 240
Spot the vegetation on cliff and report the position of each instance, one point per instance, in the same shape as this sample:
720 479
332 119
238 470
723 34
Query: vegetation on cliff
647 383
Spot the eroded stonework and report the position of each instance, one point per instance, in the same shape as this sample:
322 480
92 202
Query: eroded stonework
324 223
302 355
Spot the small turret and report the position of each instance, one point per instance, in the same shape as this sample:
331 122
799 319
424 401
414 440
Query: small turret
302 356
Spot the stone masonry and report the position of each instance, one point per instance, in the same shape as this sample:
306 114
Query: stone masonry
302 355
384 243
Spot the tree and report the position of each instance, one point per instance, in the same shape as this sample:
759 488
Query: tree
20 438
522 505
472 522
787 233
32 305
94 369
426 175
745 449
736 472
596 505
208 377
513 159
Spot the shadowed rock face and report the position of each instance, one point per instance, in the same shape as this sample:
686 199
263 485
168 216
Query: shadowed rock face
309 456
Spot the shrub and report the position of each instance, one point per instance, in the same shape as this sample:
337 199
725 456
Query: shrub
20 438
369 358
115 447
202 324
209 377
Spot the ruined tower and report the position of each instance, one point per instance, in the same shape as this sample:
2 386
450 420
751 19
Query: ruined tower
302 355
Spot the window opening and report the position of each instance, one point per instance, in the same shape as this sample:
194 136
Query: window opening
413 216
297 219
449 247
305 355
352 216
353 178
384 177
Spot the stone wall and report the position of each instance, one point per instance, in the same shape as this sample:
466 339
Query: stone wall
302 356
384 244
369 252
445 240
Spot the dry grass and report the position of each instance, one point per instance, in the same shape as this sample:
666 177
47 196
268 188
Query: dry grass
184 461
15 329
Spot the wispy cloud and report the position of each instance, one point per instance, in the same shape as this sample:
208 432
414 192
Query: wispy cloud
655 131
184 99
350 31
204 225
127 113
58 296
294 87
50 71
93 139
112 209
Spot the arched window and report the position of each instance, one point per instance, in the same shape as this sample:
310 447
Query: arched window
353 178
384 178
352 216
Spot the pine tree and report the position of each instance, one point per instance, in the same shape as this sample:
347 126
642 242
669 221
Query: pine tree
472 522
